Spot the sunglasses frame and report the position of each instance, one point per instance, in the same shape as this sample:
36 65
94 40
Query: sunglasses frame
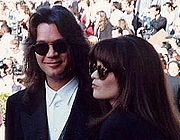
58 45
102 71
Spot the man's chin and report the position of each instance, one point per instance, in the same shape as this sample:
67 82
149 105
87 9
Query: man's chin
66 75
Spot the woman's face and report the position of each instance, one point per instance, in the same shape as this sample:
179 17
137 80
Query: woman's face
106 88
173 69
122 24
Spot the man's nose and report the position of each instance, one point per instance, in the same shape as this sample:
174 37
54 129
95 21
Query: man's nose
51 52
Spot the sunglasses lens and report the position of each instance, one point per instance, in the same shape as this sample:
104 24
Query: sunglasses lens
92 68
41 48
60 46
102 72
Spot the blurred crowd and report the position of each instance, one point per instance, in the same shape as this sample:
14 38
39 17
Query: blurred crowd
100 19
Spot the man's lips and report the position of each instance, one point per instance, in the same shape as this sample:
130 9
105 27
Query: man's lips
54 63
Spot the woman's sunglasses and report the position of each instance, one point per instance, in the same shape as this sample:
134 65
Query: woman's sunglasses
42 47
102 71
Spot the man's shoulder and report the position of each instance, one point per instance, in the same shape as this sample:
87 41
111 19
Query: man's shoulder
17 97
161 18
174 80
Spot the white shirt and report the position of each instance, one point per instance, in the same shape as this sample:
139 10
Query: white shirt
59 104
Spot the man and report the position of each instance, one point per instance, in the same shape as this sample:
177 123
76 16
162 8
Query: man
174 80
157 21
57 103
152 22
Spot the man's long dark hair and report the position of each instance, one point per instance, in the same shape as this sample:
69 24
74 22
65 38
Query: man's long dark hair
71 32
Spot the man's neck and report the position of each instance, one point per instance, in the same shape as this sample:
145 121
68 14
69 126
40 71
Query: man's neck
157 16
57 84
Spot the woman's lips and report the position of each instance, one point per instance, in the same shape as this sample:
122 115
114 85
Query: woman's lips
94 85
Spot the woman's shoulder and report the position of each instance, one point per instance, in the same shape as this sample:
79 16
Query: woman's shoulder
129 126
123 119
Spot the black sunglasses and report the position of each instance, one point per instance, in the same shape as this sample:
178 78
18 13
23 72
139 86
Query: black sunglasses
102 71
42 47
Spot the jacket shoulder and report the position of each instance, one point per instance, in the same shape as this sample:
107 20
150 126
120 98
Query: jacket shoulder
128 126
16 97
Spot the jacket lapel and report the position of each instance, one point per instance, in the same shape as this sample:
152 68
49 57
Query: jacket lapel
34 116
77 125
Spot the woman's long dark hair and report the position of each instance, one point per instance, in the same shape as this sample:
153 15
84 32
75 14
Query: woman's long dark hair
71 32
142 84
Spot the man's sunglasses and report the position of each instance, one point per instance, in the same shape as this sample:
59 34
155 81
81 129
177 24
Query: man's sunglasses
42 47
102 71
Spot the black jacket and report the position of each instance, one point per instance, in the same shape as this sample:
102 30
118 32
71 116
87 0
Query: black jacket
158 24
174 83
26 116
128 126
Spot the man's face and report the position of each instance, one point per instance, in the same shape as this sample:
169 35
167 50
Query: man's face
14 45
153 11
53 63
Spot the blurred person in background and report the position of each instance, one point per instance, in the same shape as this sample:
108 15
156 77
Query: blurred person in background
103 26
15 51
122 29
174 80
158 22
5 40
6 80
128 14
116 13
173 68
168 11
153 22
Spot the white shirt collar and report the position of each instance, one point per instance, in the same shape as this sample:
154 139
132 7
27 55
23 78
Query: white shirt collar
65 92
157 16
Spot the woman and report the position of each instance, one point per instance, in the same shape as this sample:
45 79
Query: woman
103 27
122 29
127 72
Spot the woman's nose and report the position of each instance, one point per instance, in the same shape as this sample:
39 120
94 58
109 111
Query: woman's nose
94 75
